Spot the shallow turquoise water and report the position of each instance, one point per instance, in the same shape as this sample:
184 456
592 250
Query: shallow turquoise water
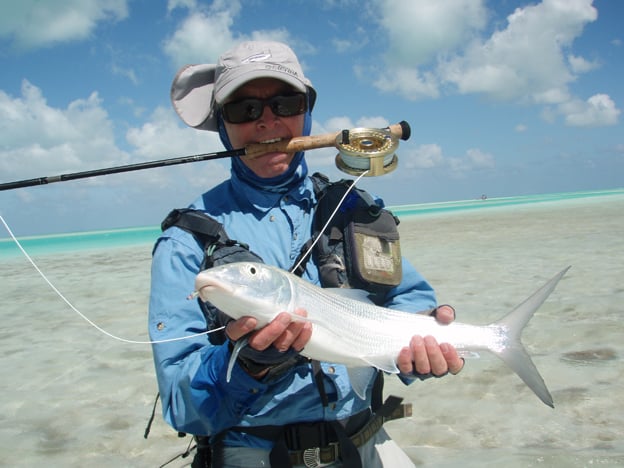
73 396
42 245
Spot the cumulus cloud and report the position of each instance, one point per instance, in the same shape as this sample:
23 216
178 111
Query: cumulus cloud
42 140
202 36
206 32
38 136
335 124
479 159
410 83
31 24
430 156
161 136
445 46
419 30
425 157
599 110
525 58
580 65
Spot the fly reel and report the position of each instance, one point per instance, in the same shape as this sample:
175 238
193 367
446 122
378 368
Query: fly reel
367 149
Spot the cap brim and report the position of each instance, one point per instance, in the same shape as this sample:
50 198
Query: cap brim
191 95
193 86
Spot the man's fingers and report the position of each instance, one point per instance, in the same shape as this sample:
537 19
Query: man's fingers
455 363
236 329
266 336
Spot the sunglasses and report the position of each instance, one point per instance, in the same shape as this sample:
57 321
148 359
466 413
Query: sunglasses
250 109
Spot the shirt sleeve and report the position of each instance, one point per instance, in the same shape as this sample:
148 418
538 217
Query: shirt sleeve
413 294
190 371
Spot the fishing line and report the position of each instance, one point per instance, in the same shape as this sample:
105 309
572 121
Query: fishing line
83 316
169 340
351 187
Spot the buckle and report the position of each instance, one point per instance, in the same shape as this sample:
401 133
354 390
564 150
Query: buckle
312 456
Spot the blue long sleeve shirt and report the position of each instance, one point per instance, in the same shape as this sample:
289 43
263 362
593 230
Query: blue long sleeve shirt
191 373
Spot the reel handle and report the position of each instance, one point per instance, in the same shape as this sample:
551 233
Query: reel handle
400 130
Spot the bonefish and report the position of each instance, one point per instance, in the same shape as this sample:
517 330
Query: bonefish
354 332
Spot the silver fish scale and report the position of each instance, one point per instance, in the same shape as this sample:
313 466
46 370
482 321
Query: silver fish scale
356 333
368 332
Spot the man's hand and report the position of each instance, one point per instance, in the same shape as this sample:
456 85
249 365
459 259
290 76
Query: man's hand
425 356
283 332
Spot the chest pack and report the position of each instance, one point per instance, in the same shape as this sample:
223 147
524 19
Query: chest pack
358 248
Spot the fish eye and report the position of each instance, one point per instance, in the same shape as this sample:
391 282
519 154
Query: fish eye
252 270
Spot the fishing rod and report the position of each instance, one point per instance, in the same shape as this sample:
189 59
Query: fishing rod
361 150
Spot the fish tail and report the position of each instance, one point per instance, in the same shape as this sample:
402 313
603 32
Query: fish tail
514 353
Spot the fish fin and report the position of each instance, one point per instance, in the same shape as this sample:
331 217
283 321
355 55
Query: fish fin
515 355
240 344
360 378
300 318
385 364
354 294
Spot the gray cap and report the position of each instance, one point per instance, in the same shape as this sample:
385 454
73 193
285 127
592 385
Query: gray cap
196 88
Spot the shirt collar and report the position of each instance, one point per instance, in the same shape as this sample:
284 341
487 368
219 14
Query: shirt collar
263 200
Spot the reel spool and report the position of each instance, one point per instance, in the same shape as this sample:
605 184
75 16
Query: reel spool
367 149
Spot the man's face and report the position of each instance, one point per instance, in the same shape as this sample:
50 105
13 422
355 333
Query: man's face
269 127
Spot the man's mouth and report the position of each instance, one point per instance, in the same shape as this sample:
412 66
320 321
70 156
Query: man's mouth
272 140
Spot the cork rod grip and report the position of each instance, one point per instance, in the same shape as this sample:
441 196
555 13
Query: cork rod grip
303 143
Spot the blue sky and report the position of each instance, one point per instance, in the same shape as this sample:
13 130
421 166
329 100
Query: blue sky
504 97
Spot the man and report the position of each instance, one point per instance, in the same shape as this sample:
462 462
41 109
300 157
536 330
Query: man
276 404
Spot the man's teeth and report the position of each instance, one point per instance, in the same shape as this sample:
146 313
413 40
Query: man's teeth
274 140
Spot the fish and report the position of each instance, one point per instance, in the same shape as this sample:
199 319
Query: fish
348 329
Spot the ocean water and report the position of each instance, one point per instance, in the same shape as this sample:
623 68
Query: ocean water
73 396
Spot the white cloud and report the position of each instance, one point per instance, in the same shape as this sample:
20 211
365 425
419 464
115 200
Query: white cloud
162 137
439 46
188 4
125 72
479 159
201 38
31 24
41 140
474 159
527 57
431 156
346 45
425 157
39 137
419 30
338 123
409 83
598 110
580 65
206 33
521 128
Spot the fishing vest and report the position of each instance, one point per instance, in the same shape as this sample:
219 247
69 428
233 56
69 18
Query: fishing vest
358 248
355 244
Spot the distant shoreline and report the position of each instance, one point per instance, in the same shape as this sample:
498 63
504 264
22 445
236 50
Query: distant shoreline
127 237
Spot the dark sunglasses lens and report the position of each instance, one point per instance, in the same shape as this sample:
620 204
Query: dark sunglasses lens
287 106
248 110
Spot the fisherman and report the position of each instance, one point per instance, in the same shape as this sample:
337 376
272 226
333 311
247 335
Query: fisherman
278 408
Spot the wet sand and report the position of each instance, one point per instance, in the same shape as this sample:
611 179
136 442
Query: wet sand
72 396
